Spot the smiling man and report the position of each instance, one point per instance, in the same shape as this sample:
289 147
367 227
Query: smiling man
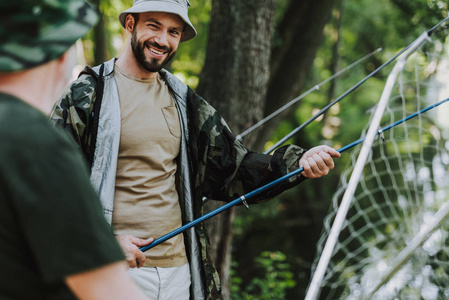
160 47
156 149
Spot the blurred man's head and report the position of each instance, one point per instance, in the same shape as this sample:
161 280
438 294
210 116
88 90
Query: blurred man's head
37 52
34 32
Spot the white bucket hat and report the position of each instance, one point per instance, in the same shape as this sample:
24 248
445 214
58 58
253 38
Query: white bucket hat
177 7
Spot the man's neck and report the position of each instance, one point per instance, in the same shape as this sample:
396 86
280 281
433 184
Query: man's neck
128 63
36 86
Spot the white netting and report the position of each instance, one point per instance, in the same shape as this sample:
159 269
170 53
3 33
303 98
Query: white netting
404 183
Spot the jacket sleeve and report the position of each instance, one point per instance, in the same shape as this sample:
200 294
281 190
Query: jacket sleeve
226 169
71 112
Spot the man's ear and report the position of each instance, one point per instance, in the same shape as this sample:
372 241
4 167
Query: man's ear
130 22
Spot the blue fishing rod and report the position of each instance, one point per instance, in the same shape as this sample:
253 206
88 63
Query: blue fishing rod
242 199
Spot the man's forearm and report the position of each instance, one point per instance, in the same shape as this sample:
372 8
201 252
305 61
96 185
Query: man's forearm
110 282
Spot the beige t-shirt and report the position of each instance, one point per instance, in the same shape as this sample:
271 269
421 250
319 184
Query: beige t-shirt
146 201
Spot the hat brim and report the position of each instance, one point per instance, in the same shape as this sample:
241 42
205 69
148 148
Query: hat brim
166 7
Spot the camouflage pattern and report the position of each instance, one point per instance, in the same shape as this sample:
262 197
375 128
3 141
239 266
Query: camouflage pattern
225 169
33 32
221 167
74 117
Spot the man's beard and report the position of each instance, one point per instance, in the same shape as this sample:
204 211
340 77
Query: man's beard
150 65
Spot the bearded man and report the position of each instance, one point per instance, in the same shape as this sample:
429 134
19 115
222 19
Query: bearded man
156 149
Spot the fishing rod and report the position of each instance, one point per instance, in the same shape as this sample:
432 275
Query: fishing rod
434 28
350 90
315 88
243 199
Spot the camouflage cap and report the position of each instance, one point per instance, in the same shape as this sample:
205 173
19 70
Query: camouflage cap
33 32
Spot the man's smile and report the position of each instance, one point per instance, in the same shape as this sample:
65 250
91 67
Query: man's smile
156 51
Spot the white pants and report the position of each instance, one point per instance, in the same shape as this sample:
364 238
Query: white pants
163 283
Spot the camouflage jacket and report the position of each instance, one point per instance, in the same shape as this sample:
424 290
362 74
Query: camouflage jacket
212 162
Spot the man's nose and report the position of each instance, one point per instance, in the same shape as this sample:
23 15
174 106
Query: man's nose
161 38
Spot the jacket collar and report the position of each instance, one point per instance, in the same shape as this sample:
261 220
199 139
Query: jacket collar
176 85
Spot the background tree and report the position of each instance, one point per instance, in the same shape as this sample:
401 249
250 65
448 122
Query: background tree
238 53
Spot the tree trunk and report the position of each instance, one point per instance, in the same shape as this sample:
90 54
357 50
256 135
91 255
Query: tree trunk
244 80
298 36
99 38
234 80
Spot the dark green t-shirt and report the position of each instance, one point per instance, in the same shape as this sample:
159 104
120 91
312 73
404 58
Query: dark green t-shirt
51 224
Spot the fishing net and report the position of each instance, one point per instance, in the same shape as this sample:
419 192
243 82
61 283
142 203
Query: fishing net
394 241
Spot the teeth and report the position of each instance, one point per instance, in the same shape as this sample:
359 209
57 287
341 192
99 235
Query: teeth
156 51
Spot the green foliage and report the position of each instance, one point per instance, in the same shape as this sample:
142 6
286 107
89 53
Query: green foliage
295 218
272 285
190 57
